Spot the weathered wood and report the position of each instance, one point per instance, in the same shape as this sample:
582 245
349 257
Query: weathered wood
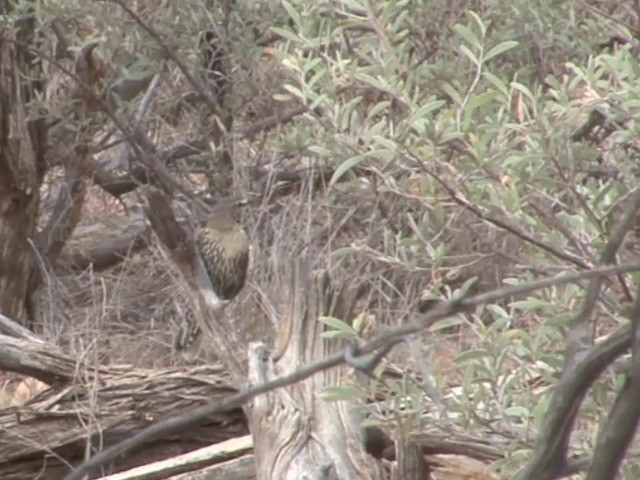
40 360
242 468
296 433
106 245
217 455
66 419
22 164
410 464
97 406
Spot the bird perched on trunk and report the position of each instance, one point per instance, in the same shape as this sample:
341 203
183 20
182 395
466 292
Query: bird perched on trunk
224 248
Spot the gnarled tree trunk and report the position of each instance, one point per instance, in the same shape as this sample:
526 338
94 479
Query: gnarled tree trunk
22 164
297 434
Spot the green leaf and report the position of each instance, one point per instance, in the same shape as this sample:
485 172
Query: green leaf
524 90
498 311
530 303
468 355
479 22
286 33
385 143
321 99
293 14
337 324
345 166
468 36
469 54
452 93
318 75
500 49
333 334
497 83
379 108
320 150
424 110
447 323
346 109
344 251
294 91
464 289
517 411
368 79
480 100
340 392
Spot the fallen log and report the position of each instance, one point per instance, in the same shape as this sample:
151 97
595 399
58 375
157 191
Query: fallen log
206 462
87 408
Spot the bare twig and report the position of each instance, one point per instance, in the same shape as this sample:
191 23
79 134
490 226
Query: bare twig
121 184
457 197
68 207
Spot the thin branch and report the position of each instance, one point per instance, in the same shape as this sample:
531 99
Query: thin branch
513 229
121 184
145 103
170 53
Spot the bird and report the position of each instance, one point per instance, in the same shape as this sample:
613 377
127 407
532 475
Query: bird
224 248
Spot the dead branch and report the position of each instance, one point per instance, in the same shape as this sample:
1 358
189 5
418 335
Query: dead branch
107 253
243 468
121 184
622 423
217 455
15 330
62 419
40 360
68 206
102 403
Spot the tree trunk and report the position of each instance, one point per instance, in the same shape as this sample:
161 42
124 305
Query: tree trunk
22 145
297 434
